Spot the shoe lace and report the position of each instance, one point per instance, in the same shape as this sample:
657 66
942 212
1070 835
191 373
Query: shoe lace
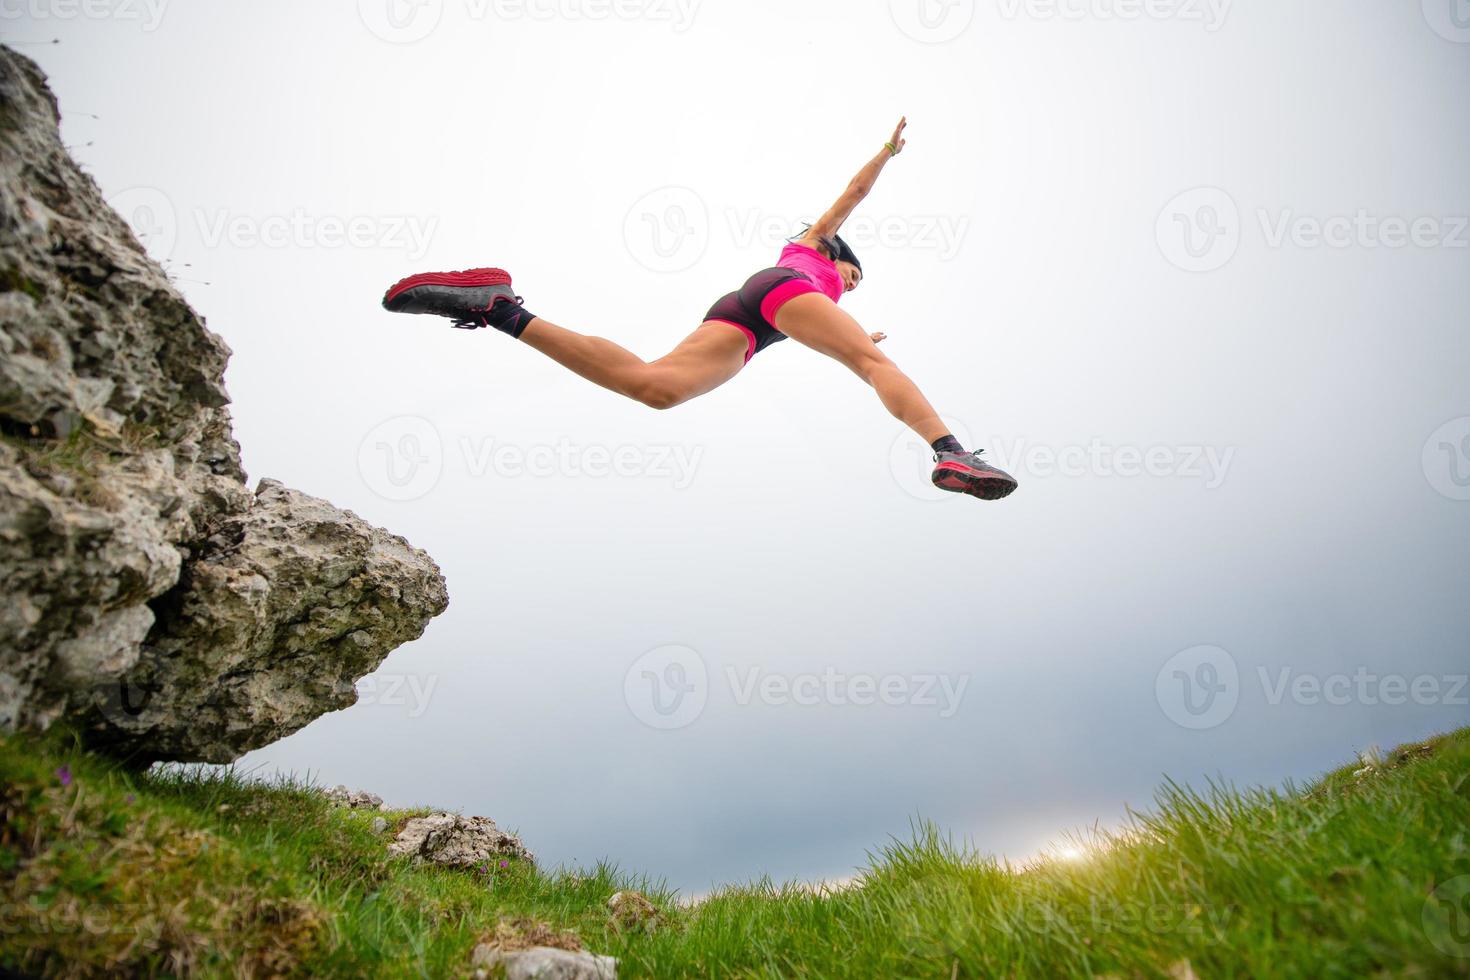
478 321
973 452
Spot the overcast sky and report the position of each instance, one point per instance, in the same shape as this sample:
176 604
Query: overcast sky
1197 272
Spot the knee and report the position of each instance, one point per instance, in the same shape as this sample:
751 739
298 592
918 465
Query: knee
871 366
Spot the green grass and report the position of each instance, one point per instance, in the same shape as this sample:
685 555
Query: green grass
113 873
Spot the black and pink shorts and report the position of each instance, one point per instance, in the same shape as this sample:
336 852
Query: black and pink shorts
753 306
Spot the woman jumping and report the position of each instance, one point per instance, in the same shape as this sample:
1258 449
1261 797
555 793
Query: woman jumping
797 298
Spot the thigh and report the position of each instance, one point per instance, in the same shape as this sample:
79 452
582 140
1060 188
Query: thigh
707 358
818 323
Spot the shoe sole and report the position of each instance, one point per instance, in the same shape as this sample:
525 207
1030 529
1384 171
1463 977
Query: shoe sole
957 480
467 278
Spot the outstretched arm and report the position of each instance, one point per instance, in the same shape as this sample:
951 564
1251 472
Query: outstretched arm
828 224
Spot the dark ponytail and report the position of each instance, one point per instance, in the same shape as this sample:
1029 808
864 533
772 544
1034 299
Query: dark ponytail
845 254
832 246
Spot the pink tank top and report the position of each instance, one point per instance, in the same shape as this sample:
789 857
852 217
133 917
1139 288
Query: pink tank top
822 270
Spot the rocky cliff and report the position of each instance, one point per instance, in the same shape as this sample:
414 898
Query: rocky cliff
151 598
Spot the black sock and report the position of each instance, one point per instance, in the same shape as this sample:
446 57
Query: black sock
508 317
947 444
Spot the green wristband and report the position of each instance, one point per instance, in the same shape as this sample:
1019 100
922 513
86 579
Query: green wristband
892 150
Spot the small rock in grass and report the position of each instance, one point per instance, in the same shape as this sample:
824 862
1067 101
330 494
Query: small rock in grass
354 799
543 963
631 910
1372 761
456 841
379 825
1182 970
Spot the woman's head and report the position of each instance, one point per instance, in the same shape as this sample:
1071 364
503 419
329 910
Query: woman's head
842 254
848 265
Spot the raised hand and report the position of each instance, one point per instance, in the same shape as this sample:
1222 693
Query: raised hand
857 189
896 145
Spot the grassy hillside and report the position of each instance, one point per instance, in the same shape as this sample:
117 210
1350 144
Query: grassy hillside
106 872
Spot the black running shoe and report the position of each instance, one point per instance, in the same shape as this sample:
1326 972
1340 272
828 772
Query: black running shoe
968 473
465 297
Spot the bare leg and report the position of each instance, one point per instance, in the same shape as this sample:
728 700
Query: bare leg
822 325
711 355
